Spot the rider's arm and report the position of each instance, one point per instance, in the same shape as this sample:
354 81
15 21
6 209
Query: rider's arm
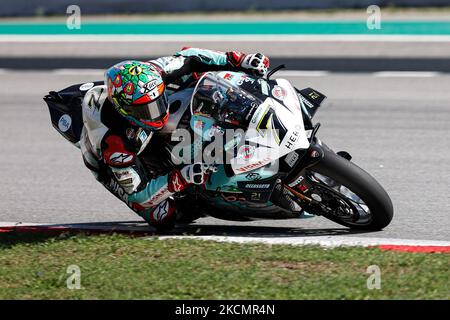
195 60
131 175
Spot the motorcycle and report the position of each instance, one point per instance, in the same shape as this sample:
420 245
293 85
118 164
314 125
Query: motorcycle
259 135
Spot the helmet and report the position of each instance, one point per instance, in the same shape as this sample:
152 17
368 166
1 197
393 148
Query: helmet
137 91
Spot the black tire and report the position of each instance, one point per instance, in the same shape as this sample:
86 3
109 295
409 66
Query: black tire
362 184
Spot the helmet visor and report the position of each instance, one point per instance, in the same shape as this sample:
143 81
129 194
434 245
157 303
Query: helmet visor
152 113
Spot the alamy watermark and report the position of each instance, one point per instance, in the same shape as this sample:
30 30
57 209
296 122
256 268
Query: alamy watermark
73 282
73 21
243 149
374 19
374 280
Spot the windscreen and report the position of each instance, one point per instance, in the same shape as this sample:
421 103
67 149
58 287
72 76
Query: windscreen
219 99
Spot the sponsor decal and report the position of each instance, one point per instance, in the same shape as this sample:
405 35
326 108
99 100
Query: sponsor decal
94 100
257 186
228 76
149 86
253 105
160 212
64 123
198 124
291 158
253 176
254 165
120 174
296 182
245 79
264 86
233 143
126 182
233 198
143 136
257 114
215 130
130 133
86 86
120 158
303 188
246 152
279 92
313 95
255 196
117 190
159 196
135 70
218 97
305 101
291 140
177 186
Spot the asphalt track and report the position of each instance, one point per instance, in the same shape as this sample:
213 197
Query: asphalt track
334 64
396 127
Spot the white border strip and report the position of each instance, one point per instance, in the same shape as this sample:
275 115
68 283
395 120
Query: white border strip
415 74
72 72
222 38
324 241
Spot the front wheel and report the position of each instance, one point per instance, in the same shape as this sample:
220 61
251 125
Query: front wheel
346 194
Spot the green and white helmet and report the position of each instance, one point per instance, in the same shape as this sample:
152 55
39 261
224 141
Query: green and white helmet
137 91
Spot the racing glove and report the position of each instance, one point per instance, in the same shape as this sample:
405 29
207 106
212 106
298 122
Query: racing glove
256 62
196 173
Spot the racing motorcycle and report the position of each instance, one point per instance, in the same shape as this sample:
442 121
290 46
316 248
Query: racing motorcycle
275 166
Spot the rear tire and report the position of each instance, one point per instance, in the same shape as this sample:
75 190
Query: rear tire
362 184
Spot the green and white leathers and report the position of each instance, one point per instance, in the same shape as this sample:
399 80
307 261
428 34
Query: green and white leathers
137 93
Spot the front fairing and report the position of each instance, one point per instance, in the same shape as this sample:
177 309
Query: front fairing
274 128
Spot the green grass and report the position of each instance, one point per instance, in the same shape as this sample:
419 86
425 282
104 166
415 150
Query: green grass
120 267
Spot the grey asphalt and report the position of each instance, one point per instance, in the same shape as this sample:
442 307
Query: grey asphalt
355 65
395 128
104 47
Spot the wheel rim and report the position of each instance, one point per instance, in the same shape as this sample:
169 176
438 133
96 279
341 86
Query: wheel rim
348 206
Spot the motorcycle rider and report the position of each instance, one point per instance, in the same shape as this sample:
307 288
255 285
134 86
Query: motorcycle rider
121 115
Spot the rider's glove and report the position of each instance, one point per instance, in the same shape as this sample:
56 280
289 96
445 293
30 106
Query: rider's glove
196 173
256 62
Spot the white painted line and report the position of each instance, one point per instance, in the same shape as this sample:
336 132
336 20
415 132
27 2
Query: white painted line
411 74
223 38
325 241
78 71
302 73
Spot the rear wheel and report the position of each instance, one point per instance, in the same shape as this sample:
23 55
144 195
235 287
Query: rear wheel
346 194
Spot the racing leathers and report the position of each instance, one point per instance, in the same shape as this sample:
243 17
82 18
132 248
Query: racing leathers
110 144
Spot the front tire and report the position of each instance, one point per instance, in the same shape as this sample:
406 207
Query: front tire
363 185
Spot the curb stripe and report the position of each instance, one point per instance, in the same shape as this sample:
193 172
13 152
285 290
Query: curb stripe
400 245
420 249
37 229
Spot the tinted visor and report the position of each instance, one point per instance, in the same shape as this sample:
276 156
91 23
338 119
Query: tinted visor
149 112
